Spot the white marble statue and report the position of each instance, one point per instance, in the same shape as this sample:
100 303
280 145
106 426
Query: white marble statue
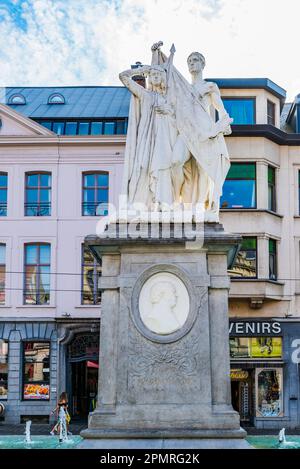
150 139
175 151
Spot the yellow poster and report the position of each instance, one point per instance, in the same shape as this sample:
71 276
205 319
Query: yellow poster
266 347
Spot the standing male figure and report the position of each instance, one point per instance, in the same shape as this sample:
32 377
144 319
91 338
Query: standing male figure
192 183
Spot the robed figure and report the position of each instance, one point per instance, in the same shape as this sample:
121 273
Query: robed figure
175 151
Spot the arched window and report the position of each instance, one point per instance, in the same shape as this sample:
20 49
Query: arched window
17 99
56 98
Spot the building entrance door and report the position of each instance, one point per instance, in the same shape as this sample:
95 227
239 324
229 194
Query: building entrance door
83 376
84 387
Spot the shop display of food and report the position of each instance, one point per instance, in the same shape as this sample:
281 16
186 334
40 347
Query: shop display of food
36 391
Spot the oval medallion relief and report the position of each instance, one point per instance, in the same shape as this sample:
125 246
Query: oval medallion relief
164 303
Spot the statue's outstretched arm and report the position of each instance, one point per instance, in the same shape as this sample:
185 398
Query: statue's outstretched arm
158 57
133 86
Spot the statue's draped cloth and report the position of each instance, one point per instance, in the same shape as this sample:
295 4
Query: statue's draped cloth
192 122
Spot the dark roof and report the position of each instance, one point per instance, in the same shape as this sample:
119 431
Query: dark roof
251 83
106 102
81 102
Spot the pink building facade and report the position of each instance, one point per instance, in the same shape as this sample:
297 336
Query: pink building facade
61 161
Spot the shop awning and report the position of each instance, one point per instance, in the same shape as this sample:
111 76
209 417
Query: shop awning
92 364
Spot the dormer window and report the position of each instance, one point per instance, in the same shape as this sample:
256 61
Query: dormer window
56 98
17 99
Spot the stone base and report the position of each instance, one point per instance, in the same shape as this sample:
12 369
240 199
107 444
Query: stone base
164 390
220 440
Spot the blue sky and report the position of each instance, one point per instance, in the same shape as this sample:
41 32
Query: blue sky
88 42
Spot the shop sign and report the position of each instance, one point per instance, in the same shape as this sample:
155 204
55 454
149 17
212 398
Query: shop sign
254 328
239 374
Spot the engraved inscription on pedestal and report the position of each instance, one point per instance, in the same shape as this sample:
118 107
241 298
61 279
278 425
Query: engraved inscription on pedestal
164 303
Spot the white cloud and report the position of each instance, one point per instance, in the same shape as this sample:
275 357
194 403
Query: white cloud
90 41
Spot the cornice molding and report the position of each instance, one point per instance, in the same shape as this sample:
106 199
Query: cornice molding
63 140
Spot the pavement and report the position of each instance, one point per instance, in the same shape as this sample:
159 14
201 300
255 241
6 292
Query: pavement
38 428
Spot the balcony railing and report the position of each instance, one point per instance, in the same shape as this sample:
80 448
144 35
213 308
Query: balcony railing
42 209
92 209
3 209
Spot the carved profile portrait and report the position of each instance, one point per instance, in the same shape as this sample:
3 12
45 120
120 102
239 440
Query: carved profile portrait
164 303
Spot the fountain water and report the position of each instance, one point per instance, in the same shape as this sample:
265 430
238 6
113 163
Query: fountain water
281 436
27 432
286 444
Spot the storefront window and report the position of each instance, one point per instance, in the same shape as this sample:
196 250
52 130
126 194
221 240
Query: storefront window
36 371
3 369
269 392
266 347
255 347
239 347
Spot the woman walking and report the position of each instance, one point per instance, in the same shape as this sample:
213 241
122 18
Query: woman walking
62 406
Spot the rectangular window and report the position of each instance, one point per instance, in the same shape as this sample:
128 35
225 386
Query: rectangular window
96 128
245 265
58 128
36 371
272 259
120 128
2 273
239 189
3 369
269 402
95 194
37 274
71 128
47 124
271 189
255 347
109 128
3 194
271 112
91 271
37 194
83 128
242 110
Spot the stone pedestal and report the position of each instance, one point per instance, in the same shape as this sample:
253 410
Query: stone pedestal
165 390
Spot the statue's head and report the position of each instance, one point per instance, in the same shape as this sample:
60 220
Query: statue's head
157 79
164 291
196 62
